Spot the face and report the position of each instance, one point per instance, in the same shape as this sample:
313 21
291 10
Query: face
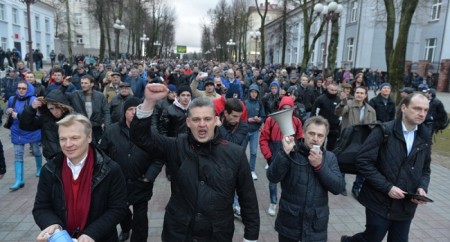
209 88
347 91
58 77
124 91
134 73
74 141
385 91
403 95
416 111
22 89
360 94
171 95
115 79
86 85
30 78
332 89
20 65
315 135
274 90
201 121
319 83
56 112
304 81
253 94
230 74
184 98
233 117
129 114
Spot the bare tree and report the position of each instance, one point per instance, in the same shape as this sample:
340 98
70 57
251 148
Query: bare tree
262 15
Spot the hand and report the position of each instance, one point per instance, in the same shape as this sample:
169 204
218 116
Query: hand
14 115
251 120
288 143
257 119
9 110
37 103
66 81
43 236
218 122
315 159
153 93
85 238
396 193
422 192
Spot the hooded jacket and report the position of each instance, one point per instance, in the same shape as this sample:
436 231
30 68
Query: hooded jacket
46 122
18 135
327 103
255 108
271 101
270 138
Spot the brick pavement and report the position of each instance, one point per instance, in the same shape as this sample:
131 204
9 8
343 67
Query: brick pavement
432 221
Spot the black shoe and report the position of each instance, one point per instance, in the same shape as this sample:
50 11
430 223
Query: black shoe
344 193
355 194
344 238
124 236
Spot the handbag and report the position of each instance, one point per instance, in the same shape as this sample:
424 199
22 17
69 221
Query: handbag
9 121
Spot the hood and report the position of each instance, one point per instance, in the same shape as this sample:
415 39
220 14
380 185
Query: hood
253 87
277 84
286 101
30 90
57 96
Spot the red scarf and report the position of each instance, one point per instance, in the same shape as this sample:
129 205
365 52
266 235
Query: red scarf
78 194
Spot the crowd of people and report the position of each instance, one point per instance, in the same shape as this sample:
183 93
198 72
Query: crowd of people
105 131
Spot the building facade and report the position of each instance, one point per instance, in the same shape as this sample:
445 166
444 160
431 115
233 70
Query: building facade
14 26
362 33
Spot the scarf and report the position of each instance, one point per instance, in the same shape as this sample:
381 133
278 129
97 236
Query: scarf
78 194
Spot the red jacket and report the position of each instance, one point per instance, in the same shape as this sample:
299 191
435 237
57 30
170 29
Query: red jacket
271 132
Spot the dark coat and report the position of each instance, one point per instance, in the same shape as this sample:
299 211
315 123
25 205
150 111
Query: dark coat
204 181
100 108
390 166
134 162
384 112
327 104
172 121
304 210
116 107
108 200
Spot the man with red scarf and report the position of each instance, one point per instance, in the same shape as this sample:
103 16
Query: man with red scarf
80 190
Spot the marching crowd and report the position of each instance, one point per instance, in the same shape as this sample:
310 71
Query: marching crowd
107 130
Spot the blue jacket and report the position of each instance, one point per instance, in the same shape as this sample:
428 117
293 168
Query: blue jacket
19 136
254 108
137 86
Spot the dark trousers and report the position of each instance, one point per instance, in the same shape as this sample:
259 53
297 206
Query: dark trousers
97 133
282 238
377 227
137 222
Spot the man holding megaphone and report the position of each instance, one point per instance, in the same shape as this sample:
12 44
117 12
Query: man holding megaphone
306 173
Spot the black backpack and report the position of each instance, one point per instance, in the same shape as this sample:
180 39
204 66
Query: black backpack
351 141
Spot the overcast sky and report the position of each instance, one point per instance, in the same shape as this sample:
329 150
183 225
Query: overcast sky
190 14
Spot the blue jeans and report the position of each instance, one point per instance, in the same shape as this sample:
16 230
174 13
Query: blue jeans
377 227
18 150
273 193
252 138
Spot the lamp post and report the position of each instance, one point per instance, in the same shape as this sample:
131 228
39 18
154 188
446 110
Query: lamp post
231 45
118 26
157 44
327 13
30 40
255 35
144 38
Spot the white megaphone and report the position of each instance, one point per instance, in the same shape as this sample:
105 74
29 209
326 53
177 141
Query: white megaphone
284 120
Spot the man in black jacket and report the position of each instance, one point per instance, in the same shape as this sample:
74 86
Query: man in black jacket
383 104
116 105
393 169
93 212
207 171
138 169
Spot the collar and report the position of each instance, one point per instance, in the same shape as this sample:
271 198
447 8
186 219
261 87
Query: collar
405 131
82 162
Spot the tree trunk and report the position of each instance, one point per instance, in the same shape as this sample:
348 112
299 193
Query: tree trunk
69 32
102 39
332 47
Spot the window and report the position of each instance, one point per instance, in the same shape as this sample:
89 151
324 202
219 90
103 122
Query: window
430 48
38 46
47 25
288 55
37 22
2 12
78 19
15 18
436 9
25 19
353 11
350 47
4 43
79 39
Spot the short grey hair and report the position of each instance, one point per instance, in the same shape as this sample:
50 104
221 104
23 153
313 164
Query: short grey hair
73 118
201 102
317 120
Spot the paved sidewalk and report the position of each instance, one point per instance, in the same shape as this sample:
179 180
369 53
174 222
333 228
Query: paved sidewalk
432 221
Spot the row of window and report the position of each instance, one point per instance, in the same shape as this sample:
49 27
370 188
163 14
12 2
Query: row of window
15 18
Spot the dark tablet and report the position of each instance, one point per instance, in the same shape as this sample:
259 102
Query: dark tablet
418 197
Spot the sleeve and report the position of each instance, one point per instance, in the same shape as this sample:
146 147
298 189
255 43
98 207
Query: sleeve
342 108
163 122
105 111
279 167
248 201
330 175
154 169
29 121
264 139
195 91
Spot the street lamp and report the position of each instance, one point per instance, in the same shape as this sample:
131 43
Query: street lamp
327 13
255 35
30 40
144 38
231 45
118 26
157 44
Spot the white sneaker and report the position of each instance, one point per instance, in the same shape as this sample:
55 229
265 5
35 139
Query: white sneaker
272 209
254 176
266 167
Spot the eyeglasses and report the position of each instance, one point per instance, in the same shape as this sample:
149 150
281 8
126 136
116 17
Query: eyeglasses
22 88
